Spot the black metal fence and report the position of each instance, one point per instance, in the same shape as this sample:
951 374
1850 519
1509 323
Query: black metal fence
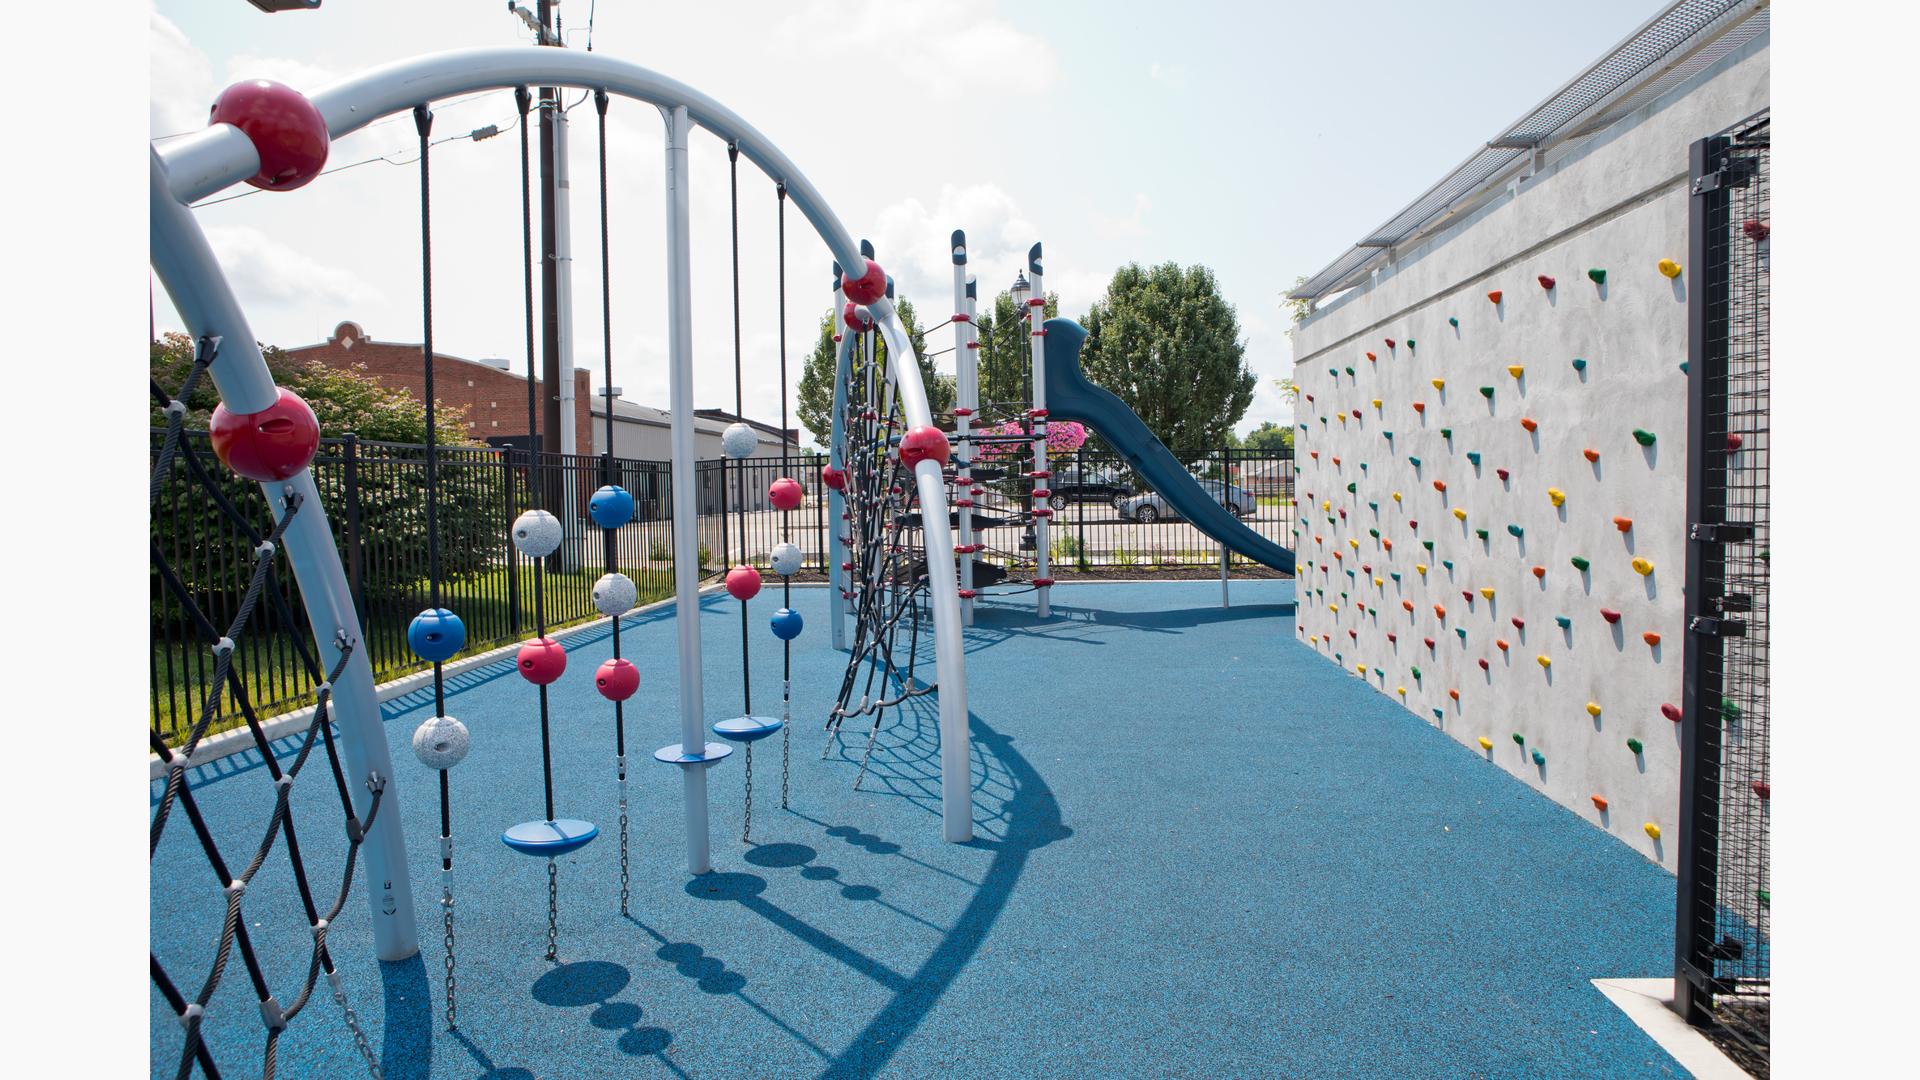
373 492
1723 941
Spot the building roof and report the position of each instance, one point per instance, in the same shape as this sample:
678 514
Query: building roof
707 421
1684 39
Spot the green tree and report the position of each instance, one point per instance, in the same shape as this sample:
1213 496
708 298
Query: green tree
1005 366
815 406
1168 345
1269 436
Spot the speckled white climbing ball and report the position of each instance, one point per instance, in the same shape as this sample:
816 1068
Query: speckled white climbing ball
536 533
615 594
441 743
785 559
738 441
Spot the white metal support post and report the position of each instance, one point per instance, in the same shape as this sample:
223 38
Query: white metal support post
188 271
964 365
838 526
1036 333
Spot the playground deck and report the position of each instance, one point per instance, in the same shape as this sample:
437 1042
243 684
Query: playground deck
1201 851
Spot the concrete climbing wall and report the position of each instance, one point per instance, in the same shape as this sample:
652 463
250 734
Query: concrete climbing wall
1493 469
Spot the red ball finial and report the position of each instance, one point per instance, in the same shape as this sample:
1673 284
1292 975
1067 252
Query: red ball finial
272 444
867 289
785 493
857 318
833 477
924 443
617 679
287 132
541 661
743 582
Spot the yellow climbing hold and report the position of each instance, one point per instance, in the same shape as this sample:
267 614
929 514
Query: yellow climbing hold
1459 513
1670 268
1333 607
1361 668
1342 417
1439 384
1652 830
1545 660
1558 497
1354 544
1378 582
1593 708
1376 403
1642 567
1516 370
1403 691
1487 591
1396 496
1421 567
1486 743
1326 504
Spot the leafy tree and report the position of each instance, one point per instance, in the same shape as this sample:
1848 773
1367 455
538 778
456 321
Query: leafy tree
1169 346
815 406
1269 436
1004 365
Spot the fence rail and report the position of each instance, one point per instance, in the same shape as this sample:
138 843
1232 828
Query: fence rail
1104 521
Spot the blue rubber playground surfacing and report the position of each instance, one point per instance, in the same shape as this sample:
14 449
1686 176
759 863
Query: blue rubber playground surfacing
1201 851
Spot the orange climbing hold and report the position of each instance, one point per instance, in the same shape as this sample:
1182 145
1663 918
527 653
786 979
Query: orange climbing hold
1624 524
1540 571
1370 356
1421 407
1600 804
1650 638
1529 423
1454 694
1439 485
1591 454
1495 296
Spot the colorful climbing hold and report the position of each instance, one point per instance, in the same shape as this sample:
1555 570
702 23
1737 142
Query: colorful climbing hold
1590 454
1610 615
1634 746
1652 830
1593 708
1459 513
1487 392
1642 566
1516 370
1529 423
1624 524
1446 433
1643 436
1600 804
1580 563
1486 743
1556 496
1545 660
1652 639
1501 473
1439 384
1540 571
1546 282
1440 485
1519 739
1474 456
1669 268
1563 622
1495 296
1453 322
1539 758
1481 533
1516 531
1597 276
1420 407
1671 712
1579 364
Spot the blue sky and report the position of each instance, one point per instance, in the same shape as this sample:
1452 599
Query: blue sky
1259 139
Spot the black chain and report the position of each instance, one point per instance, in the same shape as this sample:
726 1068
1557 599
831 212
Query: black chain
786 739
746 830
446 904
623 836
553 910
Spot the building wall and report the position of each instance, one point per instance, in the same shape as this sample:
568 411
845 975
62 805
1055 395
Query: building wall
495 400
1396 582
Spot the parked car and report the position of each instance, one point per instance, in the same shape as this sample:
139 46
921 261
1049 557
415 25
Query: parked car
1150 506
1098 485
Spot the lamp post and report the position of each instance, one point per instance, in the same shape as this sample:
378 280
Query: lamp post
1021 290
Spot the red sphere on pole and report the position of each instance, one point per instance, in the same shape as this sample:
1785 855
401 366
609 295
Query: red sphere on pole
287 132
924 443
272 444
743 582
785 493
833 477
617 679
868 288
541 661
857 318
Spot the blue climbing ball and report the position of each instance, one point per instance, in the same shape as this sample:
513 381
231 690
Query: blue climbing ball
787 624
611 507
436 634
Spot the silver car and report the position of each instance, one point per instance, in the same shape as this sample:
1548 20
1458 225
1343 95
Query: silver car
1150 506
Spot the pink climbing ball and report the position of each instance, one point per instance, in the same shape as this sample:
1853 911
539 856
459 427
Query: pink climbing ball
923 444
287 132
868 288
541 661
833 478
785 493
743 582
617 679
272 444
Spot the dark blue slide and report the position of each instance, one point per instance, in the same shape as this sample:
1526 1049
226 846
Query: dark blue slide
1071 397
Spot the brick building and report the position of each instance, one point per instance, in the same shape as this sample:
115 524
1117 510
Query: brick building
495 398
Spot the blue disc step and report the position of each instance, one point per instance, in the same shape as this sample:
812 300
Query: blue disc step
747 729
550 838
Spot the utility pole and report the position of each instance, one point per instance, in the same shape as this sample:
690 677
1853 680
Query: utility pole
550 372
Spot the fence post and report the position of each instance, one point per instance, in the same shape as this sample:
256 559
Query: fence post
1080 507
513 562
1226 481
356 582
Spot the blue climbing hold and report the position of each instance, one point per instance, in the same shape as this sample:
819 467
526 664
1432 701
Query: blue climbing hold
787 624
436 634
611 507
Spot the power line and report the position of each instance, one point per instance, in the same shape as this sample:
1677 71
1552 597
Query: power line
476 135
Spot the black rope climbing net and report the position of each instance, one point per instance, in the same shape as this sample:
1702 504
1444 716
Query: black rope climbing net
887 583
191 1008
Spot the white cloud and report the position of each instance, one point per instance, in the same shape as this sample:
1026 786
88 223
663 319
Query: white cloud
180 83
1134 224
933 47
266 272
1171 75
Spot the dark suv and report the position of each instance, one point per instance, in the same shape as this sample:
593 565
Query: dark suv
1098 485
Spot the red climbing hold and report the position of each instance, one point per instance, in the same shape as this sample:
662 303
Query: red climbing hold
743 583
1734 442
1428 642
1454 694
1420 406
1610 615
541 660
1390 343
1484 666
785 493
1439 485
1591 454
1755 231
1494 296
1671 712
617 679
1502 473
1546 282
1408 604
1373 358
1042 582
1540 571
1519 623
1763 789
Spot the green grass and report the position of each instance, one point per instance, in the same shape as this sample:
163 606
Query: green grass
274 690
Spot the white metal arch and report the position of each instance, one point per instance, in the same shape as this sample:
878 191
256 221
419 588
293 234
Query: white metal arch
198 165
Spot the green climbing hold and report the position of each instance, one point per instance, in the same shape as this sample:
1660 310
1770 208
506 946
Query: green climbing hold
1683 367
1374 506
1409 345
1448 563
1729 711
1634 745
1462 631
1481 533
1597 276
1515 531
1349 371
1580 562
1579 364
1446 433
1643 436
1453 322
1563 622
1539 758
1350 490
1388 434
1765 896
1416 674
1486 392
1474 456
1414 461
1428 544
1519 738
1375 533
1394 574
